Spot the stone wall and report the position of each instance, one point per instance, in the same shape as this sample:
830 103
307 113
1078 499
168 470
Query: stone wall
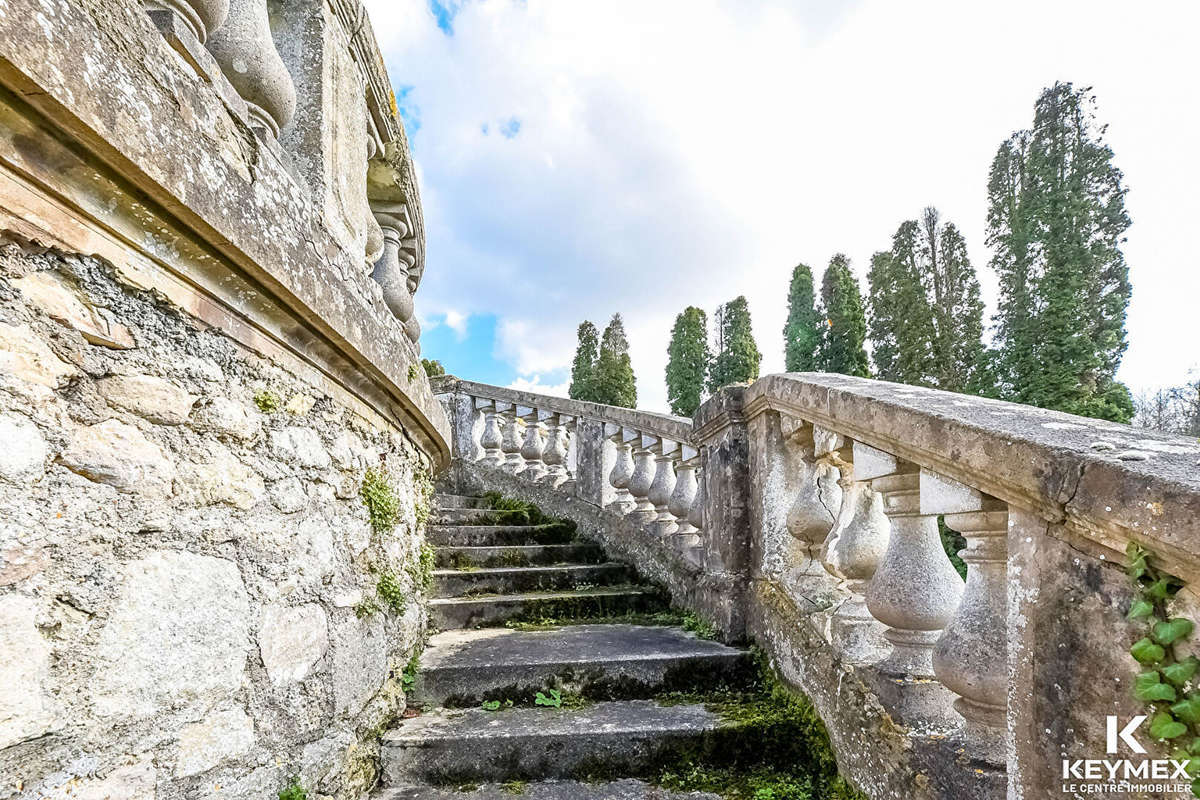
180 559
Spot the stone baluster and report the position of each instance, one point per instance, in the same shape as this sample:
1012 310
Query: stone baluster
490 439
814 509
970 658
512 439
683 500
199 17
532 447
391 272
643 477
555 454
567 426
663 486
915 590
622 470
246 53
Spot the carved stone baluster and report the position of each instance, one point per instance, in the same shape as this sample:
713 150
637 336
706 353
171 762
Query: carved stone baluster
555 454
512 438
490 439
567 427
532 446
915 591
622 470
643 477
852 553
246 53
694 553
663 486
200 17
818 498
970 658
686 534
390 272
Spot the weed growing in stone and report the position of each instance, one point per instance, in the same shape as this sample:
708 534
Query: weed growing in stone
495 705
423 505
267 401
294 791
383 505
391 592
513 787
366 608
413 372
421 572
408 678
554 699
703 629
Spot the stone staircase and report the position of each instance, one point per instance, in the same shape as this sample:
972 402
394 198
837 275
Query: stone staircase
480 734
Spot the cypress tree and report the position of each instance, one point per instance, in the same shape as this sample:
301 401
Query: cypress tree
1056 222
959 357
584 366
901 319
613 381
802 332
846 325
738 357
687 361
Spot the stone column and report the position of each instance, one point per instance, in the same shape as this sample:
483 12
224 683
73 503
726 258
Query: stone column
662 487
915 591
570 441
246 53
852 553
622 470
811 516
686 534
643 477
555 454
532 447
390 272
490 439
200 17
970 658
512 439
693 553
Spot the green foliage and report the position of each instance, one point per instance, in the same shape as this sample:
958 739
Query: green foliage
845 321
554 699
737 357
423 504
583 368
381 500
391 592
366 608
433 367
513 787
952 543
268 402
1056 223
803 329
613 382
516 512
687 361
495 705
698 625
294 791
421 571
413 372
408 678
1173 702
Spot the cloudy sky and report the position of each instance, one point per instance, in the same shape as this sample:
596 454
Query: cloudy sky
582 157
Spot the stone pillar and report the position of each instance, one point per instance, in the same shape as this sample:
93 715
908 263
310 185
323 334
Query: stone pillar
643 477
463 416
512 439
246 53
693 553
554 456
200 17
915 591
570 448
390 272
532 447
852 553
814 508
490 439
590 482
970 658
662 487
622 470
686 535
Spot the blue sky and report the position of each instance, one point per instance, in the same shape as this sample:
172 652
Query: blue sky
581 158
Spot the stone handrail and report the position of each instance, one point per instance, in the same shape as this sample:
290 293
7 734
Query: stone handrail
804 510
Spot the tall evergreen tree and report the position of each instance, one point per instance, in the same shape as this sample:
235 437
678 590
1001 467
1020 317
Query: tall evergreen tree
901 319
802 332
1056 223
959 358
583 367
737 356
613 382
846 324
687 361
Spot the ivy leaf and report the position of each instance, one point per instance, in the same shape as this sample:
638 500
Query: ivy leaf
1147 652
1181 672
1192 768
1149 688
1140 608
1194 747
1188 710
1137 566
490 705
1196 788
1166 633
1165 726
1158 590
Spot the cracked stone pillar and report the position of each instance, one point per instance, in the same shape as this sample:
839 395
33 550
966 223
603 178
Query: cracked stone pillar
683 498
814 508
246 53
663 486
693 542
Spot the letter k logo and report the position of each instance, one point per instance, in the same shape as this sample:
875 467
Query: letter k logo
1125 734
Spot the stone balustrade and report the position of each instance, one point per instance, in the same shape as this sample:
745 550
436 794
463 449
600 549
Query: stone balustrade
807 511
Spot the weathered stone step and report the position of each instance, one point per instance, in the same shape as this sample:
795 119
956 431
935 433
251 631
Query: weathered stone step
503 580
449 613
627 789
600 662
630 738
499 535
461 516
519 556
457 501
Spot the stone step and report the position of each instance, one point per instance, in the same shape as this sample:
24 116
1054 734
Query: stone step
519 556
627 789
633 738
449 613
506 580
599 662
460 516
499 535
457 501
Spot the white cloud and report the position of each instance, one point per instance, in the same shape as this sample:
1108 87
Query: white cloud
457 322
675 152
534 384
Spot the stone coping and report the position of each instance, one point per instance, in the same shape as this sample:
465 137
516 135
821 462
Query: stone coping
678 429
1104 481
189 191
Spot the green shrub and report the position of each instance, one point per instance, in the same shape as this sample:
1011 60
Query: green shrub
383 505
294 791
391 593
